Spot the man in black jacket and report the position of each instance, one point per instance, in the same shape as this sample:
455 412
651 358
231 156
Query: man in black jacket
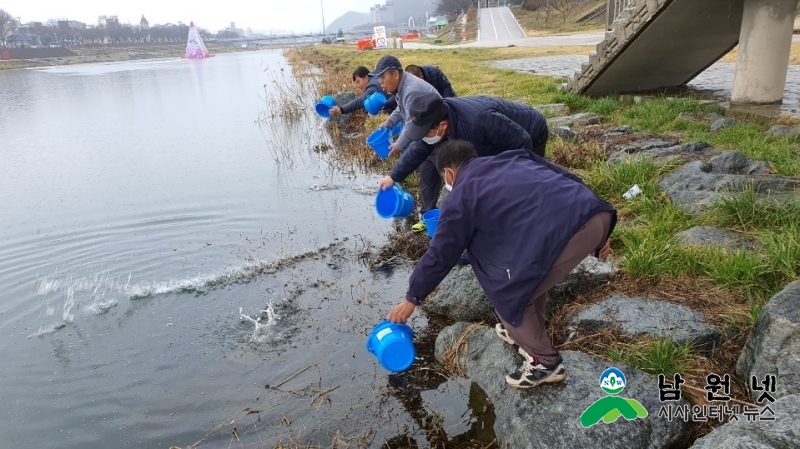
368 86
491 124
435 77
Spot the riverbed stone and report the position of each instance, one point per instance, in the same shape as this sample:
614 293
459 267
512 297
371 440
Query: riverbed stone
555 109
582 119
548 416
715 237
637 317
783 130
697 185
461 298
782 433
663 150
773 346
565 133
722 123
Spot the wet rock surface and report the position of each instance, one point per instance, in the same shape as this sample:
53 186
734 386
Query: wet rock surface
527 418
697 185
636 317
343 121
773 346
715 237
782 433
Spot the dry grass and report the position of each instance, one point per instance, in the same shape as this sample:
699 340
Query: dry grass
794 54
534 23
455 358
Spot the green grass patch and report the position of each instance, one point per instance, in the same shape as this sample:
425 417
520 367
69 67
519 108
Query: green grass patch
658 356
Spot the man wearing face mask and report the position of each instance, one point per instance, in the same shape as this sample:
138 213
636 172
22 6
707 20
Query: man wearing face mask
407 88
368 86
526 224
492 125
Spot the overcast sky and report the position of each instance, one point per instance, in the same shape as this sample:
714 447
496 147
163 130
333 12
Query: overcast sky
295 15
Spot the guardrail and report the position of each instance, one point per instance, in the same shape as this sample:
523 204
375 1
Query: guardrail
614 10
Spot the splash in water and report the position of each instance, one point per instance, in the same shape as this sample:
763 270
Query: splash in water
262 330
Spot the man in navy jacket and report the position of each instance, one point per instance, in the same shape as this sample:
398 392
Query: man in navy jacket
435 77
526 223
368 86
491 124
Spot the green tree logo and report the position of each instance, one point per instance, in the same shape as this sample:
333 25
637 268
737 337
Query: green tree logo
608 409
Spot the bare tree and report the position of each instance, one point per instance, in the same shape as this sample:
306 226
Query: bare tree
7 26
453 8
539 6
565 8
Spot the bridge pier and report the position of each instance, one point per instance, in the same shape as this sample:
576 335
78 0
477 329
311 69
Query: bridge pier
765 41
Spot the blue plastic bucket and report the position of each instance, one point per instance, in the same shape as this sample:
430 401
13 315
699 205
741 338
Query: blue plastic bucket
393 345
374 103
379 141
324 106
398 128
393 202
431 220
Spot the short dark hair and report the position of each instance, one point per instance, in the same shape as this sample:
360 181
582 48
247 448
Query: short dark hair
360 72
415 70
454 154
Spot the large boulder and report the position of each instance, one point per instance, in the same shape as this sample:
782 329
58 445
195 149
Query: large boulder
661 150
783 432
461 298
697 185
715 237
773 346
636 317
548 416
783 130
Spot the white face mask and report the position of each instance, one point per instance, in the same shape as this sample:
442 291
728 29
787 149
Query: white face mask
432 140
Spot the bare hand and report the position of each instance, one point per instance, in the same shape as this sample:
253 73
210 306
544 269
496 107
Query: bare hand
385 182
395 149
383 125
401 312
605 250
336 110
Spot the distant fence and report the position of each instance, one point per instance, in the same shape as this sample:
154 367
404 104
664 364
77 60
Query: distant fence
36 53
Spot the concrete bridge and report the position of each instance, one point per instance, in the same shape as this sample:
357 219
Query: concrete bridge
654 44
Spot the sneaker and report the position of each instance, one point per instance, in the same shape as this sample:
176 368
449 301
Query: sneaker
419 227
532 374
503 334
463 259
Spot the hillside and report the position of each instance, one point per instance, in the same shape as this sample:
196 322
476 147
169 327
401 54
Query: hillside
350 19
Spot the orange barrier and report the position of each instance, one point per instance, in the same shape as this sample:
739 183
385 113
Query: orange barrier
6 55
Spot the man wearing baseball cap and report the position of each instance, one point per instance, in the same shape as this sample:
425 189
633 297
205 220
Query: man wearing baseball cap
492 125
406 88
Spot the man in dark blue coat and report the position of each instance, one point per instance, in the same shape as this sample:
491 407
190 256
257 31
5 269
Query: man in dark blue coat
368 86
526 223
435 77
491 124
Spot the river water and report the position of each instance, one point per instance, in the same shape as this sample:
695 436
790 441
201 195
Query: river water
144 212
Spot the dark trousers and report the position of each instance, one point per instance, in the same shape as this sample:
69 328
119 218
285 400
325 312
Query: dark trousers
430 182
531 334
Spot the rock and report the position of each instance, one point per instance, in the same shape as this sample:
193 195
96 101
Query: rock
696 116
636 317
783 130
548 416
461 298
552 109
715 237
582 119
721 124
743 434
565 133
663 151
773 346
697 185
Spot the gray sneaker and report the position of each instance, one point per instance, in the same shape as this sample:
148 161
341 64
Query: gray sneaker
532 374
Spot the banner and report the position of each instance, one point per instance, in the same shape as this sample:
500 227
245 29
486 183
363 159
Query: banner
380 37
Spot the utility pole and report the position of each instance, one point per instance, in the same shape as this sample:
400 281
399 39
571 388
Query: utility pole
323 17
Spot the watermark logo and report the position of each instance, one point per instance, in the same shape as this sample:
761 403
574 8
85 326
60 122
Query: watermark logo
609 408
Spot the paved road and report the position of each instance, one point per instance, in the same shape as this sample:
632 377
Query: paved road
499 25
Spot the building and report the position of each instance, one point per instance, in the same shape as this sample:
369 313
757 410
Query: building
383 13
144 23
106 21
